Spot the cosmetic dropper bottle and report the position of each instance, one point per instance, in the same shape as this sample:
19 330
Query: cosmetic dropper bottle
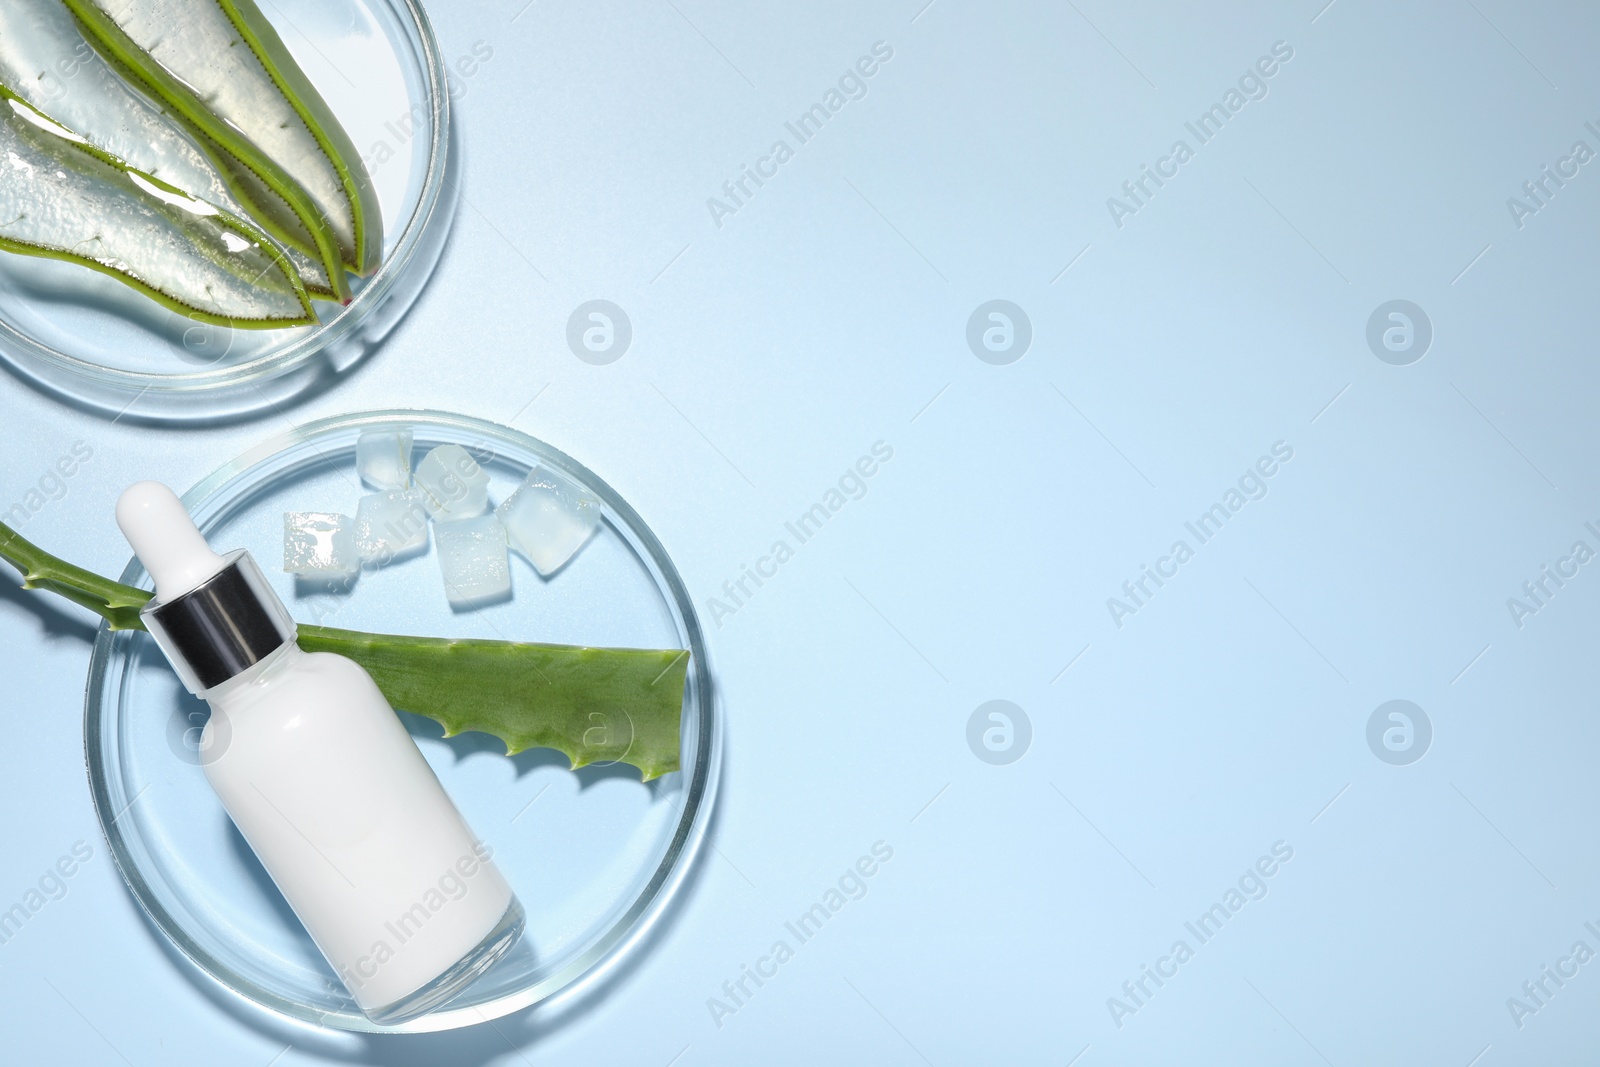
322 779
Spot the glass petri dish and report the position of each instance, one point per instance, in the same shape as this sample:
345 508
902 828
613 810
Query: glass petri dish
594 855
94 341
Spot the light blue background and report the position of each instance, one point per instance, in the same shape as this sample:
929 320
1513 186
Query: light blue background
830 313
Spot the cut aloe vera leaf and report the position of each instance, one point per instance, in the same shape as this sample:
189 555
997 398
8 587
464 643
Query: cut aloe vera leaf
46 61
63 198
306 250
225 55
621 705
274 197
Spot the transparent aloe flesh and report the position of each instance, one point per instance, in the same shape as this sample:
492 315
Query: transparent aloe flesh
230 55
267 207
62 198
46 61
244 165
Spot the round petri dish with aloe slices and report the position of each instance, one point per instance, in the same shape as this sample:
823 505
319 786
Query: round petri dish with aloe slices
219 203
598 856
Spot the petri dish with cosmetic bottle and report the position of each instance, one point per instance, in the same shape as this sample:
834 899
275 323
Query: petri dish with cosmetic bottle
596 856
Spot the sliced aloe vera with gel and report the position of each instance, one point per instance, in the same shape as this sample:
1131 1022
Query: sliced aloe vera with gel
222 66
315 255
63 198
46 61
270 193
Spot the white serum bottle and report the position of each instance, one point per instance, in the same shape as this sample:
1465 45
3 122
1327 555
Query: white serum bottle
322 779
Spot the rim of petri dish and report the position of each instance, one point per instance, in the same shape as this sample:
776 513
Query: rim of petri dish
307 355
230 489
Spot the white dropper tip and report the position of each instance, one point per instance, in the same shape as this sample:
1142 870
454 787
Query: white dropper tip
165 539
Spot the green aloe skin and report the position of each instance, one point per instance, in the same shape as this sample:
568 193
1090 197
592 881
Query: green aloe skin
595 705
63 198
220 69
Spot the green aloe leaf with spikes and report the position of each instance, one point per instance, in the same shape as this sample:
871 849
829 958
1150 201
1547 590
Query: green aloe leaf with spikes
595 705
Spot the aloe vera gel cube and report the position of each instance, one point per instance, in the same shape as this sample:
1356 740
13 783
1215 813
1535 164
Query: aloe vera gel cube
319 544
383 458
390 524
473 560
453 485
548 519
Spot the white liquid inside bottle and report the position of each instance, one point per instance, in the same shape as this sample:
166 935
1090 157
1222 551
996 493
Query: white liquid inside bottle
322 779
